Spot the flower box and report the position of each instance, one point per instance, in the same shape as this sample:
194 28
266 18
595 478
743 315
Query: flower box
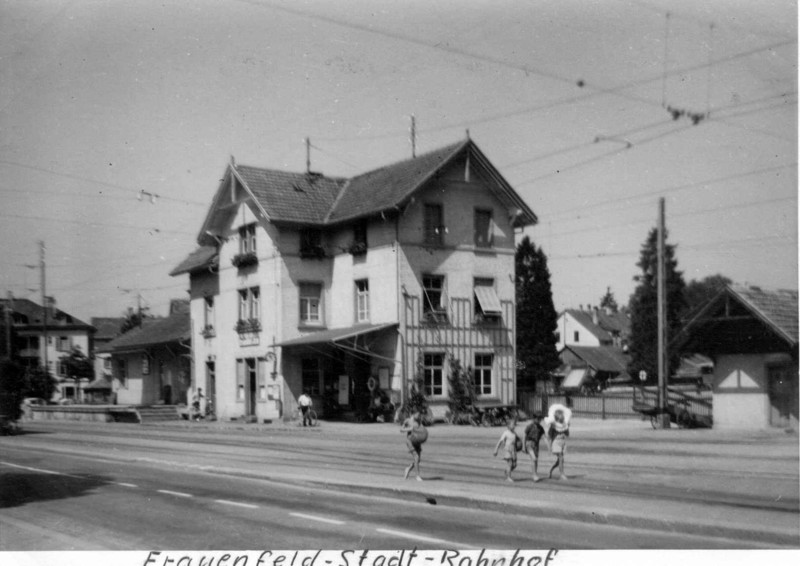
249 325
245 260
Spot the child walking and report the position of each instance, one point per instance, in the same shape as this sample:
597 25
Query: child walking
508 440
416 435
557 432
533 435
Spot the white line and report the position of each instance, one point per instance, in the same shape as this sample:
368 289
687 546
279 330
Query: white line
39 470
315 518
415 536
176 493
123 484
236 503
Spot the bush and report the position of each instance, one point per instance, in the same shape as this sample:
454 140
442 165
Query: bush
12 389
462 392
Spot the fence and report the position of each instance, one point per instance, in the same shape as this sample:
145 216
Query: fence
615 405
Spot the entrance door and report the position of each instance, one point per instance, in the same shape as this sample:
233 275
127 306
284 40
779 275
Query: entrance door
782 395
211 384
251 384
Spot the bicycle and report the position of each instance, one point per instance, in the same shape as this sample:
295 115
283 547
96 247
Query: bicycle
297 416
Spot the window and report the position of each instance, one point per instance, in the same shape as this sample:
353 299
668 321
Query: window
482 374
362 300
576 336
483 228
359 245
262 380
145 365
249 304
433 300
433 231
311 303
61 369
487 303
433 372
208 313
310 374
311 244
107 364
63 344
247 239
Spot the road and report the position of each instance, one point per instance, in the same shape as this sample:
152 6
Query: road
123 487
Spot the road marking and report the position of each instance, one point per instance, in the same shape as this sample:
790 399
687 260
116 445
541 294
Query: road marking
39 470
415 536
123 484
236 503
315 518
175 493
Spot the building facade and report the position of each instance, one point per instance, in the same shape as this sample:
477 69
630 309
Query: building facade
45 336
349 288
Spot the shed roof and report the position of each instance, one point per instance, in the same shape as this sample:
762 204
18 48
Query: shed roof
174 328
602 358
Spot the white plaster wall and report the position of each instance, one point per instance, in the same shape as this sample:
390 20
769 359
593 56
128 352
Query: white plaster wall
742 406
567 326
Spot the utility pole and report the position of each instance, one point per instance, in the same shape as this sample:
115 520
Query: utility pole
9 303
662 320
44 306
413 136
308 155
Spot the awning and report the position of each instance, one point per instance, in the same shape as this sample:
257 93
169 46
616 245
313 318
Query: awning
336 334
488 299
574 378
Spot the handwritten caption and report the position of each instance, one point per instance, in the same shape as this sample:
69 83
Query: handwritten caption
414 557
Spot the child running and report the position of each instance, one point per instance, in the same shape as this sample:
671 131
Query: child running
557 432
533 435
416 435
508 440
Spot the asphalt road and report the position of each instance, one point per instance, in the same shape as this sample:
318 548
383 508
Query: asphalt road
124 487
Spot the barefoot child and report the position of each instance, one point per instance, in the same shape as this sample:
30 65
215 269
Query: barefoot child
416 435
508 440
533 435
557 432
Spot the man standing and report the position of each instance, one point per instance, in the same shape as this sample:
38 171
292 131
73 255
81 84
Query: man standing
305 405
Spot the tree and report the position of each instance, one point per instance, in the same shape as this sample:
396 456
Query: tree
133 319
537 319
698 293
77 366
608 301
643 345
462 391
39 383
12 388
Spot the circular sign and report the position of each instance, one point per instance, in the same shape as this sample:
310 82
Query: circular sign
371 384
643 375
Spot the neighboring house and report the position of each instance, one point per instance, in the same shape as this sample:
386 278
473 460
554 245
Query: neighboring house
152 363
107 330
593 327
593 368
63 331
347 288
751 335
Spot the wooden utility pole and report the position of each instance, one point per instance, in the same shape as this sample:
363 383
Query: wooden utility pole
662 320
9 303
44 306
413 136
308 155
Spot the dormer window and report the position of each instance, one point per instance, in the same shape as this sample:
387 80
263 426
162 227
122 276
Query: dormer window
433 230
483 228
247 239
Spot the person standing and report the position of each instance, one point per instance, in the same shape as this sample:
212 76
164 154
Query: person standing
305 403
416 435
508 441
533 435
557 432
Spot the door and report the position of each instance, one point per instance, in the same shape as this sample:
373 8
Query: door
251 384
211 386
782 395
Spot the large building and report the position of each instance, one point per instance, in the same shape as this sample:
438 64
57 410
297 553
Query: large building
348 288
44 336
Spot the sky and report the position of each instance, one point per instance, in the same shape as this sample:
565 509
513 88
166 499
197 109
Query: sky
572 101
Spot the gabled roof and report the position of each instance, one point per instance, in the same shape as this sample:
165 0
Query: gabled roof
745 318
26 312
204 257
602 358
107 327
607 323
174 328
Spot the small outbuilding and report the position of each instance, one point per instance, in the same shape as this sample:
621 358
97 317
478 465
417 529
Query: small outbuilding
751 335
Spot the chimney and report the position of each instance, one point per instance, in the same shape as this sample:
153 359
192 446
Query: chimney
51 304
594 315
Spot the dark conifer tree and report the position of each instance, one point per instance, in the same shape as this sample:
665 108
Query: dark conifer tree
536 317
643 345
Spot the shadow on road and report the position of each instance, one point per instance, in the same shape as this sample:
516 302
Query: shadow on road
21 488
